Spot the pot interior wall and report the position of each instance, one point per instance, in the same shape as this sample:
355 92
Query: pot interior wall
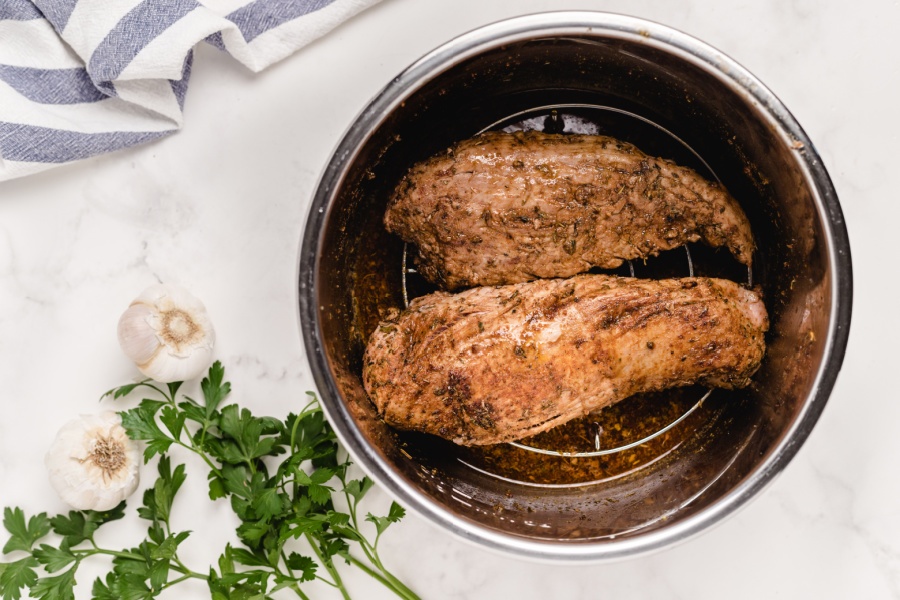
358 277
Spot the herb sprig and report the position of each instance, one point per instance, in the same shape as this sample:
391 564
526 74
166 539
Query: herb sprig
281 477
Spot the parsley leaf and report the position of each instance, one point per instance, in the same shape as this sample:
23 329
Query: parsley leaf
122 391
54 559
15 576
140 423
57 587
174 387
246 431
357 488
318 493
269 503
23 535
304 495
395 513
214 388
102 591
304 564
131 587
159 498
169 545
173 419
79 526
247 558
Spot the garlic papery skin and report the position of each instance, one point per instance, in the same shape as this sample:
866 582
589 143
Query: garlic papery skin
168 334
93 464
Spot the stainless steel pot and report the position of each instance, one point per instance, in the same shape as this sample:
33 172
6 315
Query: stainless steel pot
654 84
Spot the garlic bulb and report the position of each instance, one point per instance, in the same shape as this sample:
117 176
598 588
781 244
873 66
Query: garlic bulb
92 462
167 333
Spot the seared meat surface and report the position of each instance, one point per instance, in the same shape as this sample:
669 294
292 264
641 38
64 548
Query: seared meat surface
511 207
495 364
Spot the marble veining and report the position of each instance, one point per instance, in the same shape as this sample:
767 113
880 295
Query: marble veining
220 207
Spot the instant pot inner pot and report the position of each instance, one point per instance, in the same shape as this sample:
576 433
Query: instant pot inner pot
669 107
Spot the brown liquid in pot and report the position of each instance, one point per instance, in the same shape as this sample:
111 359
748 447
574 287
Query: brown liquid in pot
628 421
621 424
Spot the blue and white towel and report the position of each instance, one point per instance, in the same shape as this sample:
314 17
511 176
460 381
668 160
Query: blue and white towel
84 77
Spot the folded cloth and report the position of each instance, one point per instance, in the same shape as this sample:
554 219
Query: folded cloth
84 77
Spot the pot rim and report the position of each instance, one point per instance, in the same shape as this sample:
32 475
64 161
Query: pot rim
562 24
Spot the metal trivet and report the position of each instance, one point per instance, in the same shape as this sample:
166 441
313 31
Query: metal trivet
629 446
598 451
556 123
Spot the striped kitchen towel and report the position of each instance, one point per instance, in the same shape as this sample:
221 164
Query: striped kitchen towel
84 77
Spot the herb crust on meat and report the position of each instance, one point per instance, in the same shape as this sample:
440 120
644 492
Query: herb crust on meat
512 207
496 364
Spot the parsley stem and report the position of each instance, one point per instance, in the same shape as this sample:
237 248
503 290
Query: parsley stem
95 550
368 570
399 587
196 450
367 548
184 577
88 552
329 565
294 430
184 569
385 578
268 503
191 574
293 584
177 564
326 581
371 552
146 383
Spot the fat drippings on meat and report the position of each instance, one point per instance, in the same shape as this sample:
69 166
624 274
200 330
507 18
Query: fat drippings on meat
495 364
512 207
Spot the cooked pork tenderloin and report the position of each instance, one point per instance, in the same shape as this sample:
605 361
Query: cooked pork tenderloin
511 207
495 364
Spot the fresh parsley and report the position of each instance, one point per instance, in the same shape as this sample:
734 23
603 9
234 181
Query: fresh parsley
307 496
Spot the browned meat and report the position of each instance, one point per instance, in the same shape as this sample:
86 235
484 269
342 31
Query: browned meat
495 364
504 208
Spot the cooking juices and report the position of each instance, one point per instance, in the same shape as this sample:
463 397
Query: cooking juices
613 442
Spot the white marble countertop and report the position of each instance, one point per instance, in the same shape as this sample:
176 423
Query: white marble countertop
220 206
